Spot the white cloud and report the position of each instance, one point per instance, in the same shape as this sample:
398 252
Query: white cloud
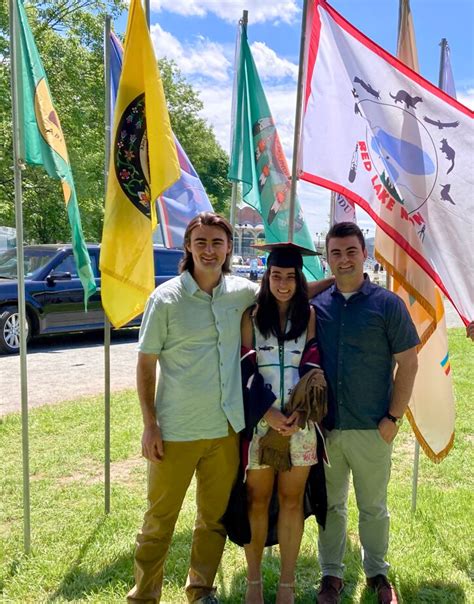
231 10
466 97
217 110
217 102
315 202
270 65
203 58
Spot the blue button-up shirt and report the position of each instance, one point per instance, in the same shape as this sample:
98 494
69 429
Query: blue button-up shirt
357 338
197 338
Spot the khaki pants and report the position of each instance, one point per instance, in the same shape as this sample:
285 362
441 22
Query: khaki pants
368 457
215 462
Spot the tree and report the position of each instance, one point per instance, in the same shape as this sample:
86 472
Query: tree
69 36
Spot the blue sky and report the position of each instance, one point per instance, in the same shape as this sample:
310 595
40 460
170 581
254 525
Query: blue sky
200 36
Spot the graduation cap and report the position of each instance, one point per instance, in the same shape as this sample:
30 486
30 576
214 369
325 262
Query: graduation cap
285 254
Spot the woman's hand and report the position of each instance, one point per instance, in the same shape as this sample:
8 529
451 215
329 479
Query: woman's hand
275 419
292 424
286 426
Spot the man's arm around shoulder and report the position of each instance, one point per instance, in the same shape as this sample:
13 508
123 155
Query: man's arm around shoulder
407 366
316 287
152 443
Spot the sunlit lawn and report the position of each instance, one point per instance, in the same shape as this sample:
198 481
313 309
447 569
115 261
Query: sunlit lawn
81 555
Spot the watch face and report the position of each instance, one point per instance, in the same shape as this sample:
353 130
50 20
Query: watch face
396 420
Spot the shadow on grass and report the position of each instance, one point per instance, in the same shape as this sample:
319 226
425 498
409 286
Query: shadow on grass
465 565
118 576
436 592
308 575
13 569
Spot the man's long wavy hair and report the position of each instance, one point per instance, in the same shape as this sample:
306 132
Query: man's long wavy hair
205 219
267 317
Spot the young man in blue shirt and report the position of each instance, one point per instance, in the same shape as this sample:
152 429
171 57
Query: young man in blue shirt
363 332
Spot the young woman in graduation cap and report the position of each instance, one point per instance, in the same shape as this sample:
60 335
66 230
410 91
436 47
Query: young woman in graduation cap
278 347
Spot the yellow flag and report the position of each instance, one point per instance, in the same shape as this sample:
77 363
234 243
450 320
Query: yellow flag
431 409
143 164
406 45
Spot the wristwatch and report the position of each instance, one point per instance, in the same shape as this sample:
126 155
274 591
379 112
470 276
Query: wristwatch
398 421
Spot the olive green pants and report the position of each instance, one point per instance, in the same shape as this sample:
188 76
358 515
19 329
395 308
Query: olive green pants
367 456
215 462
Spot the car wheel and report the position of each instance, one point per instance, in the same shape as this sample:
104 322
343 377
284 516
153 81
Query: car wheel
10 330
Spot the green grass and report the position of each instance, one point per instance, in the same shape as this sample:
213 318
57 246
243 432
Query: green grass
81 555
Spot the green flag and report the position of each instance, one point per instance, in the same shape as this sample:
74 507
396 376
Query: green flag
41 139
259 163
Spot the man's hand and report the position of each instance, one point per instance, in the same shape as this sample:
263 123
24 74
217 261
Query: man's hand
388 429
152 443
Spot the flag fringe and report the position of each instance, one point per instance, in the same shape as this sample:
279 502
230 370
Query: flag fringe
435 457
424 337
429 331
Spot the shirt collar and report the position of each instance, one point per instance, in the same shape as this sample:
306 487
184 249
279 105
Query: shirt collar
191 286
364 289
189 283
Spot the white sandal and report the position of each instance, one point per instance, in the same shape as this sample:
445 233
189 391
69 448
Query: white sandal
256 583
287 586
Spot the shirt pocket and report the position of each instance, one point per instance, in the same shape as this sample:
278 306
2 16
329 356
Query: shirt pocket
233 319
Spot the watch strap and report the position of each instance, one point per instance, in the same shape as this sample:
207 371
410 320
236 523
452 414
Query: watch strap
396 420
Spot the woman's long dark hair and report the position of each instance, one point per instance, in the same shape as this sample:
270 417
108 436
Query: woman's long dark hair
267 317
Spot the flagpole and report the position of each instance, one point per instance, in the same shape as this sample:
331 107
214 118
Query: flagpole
416 459
107 123
235 186
233 205
160 223
299 105
17 167
442 59
332 209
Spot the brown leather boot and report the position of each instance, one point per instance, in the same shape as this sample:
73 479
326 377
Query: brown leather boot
330 590
386 594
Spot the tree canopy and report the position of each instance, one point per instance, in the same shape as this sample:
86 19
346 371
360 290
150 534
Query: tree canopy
69 36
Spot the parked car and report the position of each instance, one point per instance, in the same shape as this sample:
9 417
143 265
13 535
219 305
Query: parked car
53 292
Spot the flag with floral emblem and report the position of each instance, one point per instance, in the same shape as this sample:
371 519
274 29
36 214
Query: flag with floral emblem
143 163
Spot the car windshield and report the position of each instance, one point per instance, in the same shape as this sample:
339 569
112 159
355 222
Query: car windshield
34 260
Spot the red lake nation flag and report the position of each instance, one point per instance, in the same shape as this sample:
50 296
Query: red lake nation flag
414 147
376 132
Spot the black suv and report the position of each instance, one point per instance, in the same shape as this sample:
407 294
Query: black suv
54 294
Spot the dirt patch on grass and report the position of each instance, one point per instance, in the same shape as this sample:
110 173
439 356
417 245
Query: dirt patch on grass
125 471
128 470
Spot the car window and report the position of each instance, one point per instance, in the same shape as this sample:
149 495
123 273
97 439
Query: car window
166 263
33 260
68 265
